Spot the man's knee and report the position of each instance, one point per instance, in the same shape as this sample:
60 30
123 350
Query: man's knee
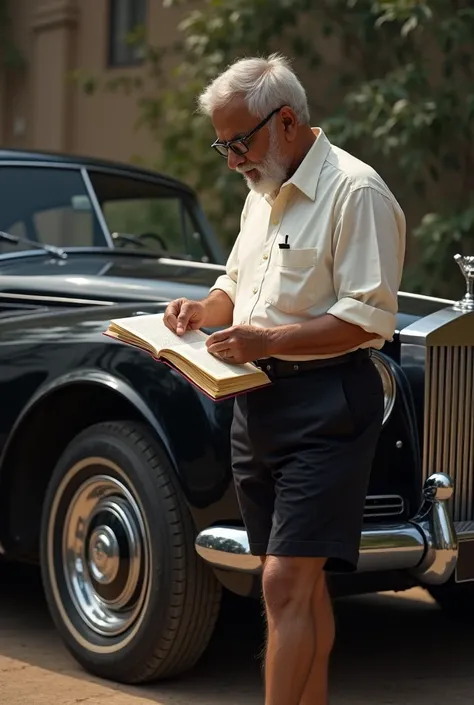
290 581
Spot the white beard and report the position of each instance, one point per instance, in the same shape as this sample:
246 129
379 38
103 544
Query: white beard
273 170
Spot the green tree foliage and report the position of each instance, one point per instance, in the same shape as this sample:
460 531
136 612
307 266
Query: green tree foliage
402 100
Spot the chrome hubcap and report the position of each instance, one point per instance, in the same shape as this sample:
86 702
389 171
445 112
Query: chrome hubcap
105 555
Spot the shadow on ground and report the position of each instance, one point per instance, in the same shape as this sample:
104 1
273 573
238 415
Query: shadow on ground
390 649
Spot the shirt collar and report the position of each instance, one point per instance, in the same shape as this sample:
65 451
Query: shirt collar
307 175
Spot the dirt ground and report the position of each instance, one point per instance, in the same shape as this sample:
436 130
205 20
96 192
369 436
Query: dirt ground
390 650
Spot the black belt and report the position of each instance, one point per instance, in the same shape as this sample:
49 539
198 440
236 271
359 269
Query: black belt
275 367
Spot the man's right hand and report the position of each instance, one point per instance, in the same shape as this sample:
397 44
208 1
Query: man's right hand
182 315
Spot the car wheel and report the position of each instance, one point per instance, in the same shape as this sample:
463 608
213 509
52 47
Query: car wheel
130 597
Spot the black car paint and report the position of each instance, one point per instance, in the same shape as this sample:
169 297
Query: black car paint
53 313
43 352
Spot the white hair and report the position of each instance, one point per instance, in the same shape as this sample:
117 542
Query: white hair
265 84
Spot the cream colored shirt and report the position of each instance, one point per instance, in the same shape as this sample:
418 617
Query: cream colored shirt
346 234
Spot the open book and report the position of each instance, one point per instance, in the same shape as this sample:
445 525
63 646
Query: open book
187 354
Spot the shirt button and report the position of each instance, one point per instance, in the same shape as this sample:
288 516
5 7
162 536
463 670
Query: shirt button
255 290
275 221
265 256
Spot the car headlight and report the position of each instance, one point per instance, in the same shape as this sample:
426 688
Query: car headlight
389 384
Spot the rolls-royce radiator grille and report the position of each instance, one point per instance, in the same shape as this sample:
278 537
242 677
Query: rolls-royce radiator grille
448 444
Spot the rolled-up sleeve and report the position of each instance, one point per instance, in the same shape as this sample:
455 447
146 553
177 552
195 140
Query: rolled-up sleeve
368 251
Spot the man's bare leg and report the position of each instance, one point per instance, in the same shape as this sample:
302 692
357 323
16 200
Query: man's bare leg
288 588
316 688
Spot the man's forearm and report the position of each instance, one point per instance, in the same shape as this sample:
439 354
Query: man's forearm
218 309
324 335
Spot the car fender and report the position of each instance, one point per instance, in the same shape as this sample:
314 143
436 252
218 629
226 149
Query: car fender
90 376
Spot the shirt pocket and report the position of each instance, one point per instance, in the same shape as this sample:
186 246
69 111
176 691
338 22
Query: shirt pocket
291 279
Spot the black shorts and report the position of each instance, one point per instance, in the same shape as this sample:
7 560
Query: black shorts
302 450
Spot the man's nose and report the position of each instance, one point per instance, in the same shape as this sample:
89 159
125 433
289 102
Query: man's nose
234 160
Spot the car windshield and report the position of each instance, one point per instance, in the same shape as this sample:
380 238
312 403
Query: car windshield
70 208
146 214
48 205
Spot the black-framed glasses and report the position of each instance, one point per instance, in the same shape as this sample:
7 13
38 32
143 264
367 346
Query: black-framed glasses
239 146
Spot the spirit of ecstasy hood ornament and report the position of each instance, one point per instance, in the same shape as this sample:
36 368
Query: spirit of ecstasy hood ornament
466 265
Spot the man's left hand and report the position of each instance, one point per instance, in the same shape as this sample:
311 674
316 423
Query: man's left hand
239 344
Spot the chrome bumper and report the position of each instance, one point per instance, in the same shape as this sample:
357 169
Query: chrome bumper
426 545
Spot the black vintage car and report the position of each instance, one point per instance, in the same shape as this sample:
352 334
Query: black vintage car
115 472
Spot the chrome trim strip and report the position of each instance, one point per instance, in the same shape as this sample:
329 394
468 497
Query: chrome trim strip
58 299
96 205
424 297
39 163
392 511
192 263
116 168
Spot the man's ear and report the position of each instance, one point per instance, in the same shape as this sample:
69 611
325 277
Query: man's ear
289 123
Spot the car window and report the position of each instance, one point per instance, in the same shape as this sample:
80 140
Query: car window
155 215
50 205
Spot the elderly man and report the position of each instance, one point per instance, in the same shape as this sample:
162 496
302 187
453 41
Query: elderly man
310 287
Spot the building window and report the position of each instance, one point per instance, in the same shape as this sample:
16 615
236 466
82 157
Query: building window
127 18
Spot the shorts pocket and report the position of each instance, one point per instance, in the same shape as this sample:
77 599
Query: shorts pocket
290 285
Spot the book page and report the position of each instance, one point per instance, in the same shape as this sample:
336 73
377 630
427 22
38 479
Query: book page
151 329
198 354
191 345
